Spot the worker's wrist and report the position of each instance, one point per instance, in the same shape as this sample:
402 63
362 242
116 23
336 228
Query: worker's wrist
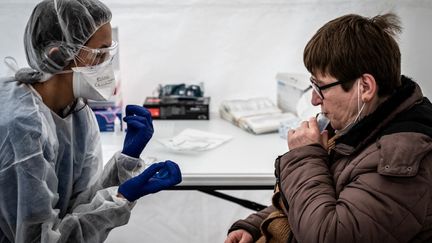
119 195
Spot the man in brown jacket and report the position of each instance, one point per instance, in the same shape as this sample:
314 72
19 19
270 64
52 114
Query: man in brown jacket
372 180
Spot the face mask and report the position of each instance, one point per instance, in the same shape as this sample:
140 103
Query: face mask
359 111
94 83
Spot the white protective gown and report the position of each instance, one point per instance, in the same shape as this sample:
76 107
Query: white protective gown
52 185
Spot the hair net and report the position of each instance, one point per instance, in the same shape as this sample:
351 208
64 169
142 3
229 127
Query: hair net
56 31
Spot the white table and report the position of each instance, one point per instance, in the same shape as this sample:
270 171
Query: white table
246 161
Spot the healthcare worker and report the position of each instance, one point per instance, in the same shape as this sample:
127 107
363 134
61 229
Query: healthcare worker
51 184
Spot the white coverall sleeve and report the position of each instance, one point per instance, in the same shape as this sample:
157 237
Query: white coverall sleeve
98 209
119 169
31 216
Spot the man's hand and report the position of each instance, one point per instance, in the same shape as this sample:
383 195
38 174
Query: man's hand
239 236
308 133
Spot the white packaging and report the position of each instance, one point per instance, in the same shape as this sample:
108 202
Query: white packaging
290 87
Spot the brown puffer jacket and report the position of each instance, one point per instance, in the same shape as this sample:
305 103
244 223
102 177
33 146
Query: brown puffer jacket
374 186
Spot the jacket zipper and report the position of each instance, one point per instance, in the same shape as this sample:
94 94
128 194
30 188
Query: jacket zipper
284 201
278 182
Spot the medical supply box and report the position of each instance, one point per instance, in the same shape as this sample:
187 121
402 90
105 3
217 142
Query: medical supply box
107 115
196 108
290 87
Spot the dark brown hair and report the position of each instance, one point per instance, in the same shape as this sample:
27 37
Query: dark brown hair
352 45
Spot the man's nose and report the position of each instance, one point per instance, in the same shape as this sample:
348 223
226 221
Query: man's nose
316 99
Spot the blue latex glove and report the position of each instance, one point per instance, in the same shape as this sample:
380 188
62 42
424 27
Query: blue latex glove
157 177
139 130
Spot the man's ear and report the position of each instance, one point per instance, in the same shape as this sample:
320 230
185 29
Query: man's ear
368 87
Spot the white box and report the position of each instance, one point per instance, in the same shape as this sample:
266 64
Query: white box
290 87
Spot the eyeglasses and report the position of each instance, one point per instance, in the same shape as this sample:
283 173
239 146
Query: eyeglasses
318 89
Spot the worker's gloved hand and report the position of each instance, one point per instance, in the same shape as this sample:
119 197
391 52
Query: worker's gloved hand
139 130
157 177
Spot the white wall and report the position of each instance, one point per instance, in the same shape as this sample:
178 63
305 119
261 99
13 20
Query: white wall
235 47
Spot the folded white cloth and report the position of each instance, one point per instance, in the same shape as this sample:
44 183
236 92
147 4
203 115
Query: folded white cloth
192 140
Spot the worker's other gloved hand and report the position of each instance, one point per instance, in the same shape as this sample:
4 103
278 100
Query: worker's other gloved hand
139 130
157 177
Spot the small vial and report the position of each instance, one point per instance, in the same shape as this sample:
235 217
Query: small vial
322 121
